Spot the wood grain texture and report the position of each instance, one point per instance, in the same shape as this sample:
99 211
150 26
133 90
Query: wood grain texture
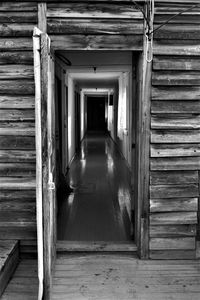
175 150
13 30
175 78
175 163
18 115
182 47
18 195
17 156
16 57
175 136
17 87
16 43
9 183
87 10
176 62
16 72
174 93
169 205
175 107
18 17
17 142
17 169
18 6
167 120
92 42
174 191
172 230
94 26
174 255
180 31
17 102
17 128
173 177
181 243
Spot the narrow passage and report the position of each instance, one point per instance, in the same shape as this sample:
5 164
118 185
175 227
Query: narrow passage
99 207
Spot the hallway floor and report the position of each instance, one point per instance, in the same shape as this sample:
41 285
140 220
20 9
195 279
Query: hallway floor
99 208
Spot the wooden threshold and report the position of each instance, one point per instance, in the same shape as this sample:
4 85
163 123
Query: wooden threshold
98 246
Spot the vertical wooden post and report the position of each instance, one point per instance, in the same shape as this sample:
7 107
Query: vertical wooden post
143 151
42 19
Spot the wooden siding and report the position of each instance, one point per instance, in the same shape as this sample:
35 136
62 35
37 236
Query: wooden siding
90 26
17 121
175 140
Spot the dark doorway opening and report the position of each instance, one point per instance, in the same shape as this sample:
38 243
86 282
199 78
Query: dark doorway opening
96 120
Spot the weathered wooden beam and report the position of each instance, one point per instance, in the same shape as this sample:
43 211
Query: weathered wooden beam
17 156
176 78
17 142
176 93
170 205
176 63
17 87
14 29
42 19
18 17
175 107
173 177
181 243
16 57
94 26
171 230
167 218
96 42
17 102
175 136
173 191
175 163
174 120
173 150
17 128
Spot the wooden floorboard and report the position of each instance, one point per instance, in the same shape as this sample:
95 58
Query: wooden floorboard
124 277
24 283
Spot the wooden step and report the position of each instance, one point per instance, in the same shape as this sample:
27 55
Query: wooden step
99 246
9 258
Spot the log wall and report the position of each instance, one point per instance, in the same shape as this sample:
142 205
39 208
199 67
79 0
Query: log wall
17 121
175 133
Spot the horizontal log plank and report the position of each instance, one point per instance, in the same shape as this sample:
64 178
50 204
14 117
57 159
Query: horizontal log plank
175 7
174 107
173 121
175 163
182 19
9 183
16 43
181 47
179 31
176 93
27 231
17 102
175 63
171 150
16 57
17 156
100 42
18 6
182 243
18 17
173 254
9 30
83 10
10 115
175 136
172 230
170 205
17 169
94 26
18 205
175 78
17 142
17 195
18 217
174 191
173 177
17 87
16 72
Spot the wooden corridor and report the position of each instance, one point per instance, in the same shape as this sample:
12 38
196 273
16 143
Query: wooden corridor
99 208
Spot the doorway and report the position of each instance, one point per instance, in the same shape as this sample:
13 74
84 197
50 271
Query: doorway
101 132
